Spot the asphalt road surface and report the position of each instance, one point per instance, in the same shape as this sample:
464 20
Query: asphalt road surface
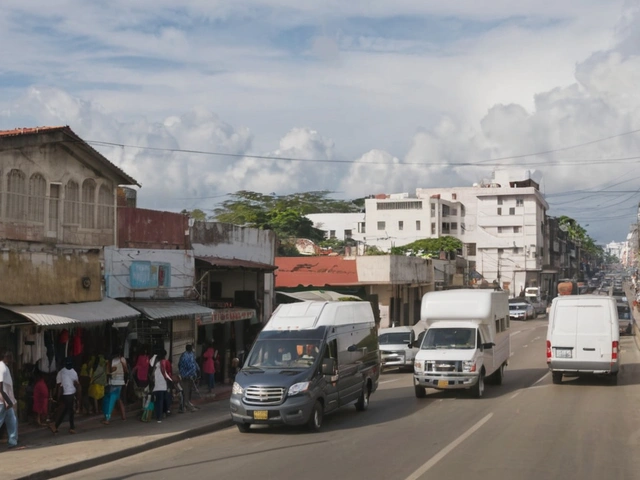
527 428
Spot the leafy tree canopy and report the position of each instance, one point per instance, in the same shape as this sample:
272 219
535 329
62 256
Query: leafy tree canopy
429 247
197 214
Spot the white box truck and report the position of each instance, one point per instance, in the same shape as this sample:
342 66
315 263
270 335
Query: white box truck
465 340
310 359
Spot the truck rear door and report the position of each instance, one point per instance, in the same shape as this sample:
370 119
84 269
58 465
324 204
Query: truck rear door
563 334
593 338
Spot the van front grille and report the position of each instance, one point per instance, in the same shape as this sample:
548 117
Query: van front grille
264 395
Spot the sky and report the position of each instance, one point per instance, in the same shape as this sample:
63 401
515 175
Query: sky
361 97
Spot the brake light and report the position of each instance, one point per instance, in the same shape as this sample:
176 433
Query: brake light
548 351
614 351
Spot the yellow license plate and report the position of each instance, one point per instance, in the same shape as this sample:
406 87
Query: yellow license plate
261 415
443 383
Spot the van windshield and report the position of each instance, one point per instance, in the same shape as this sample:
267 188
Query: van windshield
395 338
279 353
450 338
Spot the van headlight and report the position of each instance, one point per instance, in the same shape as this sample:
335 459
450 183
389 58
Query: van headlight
418 366
469 366
298 388
237 389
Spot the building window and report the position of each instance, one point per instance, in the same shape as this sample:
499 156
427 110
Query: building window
16 195
512 211
454 226
382 225
400 225
516 229
500 229
88 203
72 203
362 227
445 227
433 228
105 207
332 234
433 210
454 196
417 224
500 251
499 211
519 202
499 200
445 210
454 212
541 252
462 228
37 198
471 249
348 234
399 205
516 250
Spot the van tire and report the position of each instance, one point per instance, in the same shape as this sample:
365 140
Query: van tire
315 419
478 389
556 377
498 376
363 401
243 427
421 392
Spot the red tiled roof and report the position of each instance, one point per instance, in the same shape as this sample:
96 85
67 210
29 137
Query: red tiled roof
236 263
315 271
66 130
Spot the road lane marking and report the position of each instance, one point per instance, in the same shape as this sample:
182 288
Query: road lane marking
446 450
541 379
537 338
515 394
388 381
512 354
513 334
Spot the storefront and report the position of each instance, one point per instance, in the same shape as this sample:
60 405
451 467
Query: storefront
42 336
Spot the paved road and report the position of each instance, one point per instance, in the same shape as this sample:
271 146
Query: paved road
527 428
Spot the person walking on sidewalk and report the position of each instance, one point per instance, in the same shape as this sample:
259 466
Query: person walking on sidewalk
8 400
210 356
117 368
68 385
189 372
159 379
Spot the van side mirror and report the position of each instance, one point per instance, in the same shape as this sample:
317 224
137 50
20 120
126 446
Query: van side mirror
328 366
352 348
412 339
488 346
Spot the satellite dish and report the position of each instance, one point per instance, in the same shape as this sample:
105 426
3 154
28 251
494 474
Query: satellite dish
563 227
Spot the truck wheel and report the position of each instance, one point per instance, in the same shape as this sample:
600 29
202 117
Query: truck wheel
363 401
315 420
499 375
478 389
421 392
243 427
556 377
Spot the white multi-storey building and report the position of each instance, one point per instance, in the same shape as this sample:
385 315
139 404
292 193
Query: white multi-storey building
341 226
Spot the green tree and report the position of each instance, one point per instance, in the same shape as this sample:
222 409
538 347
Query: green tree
197 214
373 250
429 247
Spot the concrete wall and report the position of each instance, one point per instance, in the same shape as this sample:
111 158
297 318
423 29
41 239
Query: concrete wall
395 269
33 278
212 239
121 263
141 228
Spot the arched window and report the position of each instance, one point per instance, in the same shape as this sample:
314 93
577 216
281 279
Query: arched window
37 197
72 203
88 204
105 207
16 195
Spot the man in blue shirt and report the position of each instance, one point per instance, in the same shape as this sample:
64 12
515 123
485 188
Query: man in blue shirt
189 372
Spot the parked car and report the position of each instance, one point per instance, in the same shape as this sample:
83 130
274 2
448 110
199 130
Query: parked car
521 311
624 318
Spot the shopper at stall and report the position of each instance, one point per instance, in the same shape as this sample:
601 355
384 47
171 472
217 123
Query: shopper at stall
160 385
140 371
8 400
117 368
68 384
41 399
210 357
98 382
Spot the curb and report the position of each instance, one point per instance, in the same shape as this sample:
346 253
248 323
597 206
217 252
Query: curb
127 452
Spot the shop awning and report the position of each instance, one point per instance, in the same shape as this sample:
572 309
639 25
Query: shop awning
168 309
237 263
106 310
223 315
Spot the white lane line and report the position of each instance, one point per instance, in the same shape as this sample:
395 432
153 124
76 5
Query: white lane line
541 379
511 354
515 394
446 450
513 334
388 381
537 338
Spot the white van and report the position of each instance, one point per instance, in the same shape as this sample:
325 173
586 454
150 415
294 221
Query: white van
395 349
583 337
310 359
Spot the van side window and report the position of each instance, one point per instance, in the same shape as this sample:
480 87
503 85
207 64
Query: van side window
331 350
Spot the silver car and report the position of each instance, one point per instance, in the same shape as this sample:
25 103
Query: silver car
521 311
394 347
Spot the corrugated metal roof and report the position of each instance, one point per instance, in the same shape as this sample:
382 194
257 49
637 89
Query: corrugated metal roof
315 271
159 310
105 310
236 263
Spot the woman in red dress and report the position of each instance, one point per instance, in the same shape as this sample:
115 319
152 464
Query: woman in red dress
41 400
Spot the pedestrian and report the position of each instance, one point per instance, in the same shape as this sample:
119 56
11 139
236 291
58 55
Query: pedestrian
98 382
41 399
8 400
208 366
117 368
159 382
189 372
68 384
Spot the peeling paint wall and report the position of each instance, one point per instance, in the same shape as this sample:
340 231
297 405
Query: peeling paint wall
141 228
34 278
212 239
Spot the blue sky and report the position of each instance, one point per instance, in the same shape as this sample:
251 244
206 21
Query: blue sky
367 80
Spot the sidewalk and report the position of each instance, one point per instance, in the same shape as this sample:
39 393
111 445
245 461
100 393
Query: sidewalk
47 455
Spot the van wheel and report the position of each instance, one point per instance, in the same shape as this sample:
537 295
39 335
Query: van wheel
478 389
244 427
315 420
363 402
556 377
498 376
421 392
